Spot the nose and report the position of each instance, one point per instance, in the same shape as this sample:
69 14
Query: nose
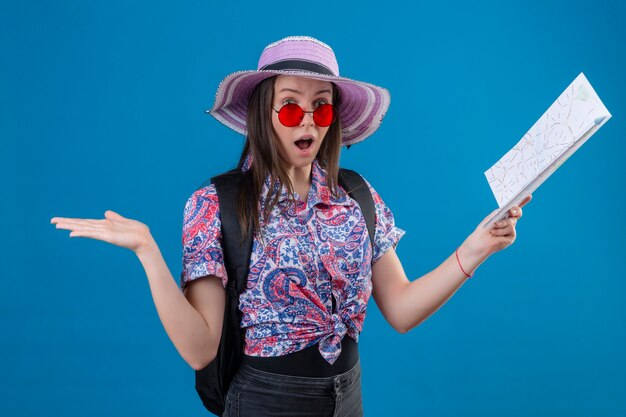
308 119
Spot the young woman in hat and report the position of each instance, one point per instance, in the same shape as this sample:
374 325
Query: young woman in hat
313 266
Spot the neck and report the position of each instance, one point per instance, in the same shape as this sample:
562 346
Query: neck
300 178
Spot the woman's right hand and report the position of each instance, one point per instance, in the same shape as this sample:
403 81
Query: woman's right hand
115 229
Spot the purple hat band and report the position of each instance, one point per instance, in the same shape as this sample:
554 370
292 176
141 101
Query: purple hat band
362 107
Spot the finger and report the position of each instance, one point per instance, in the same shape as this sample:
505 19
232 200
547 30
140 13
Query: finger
83 225
74 227
55 220
64 224
92 234
526 200
502 224
515 212
498 232
505 226
67 220
110 214
505 231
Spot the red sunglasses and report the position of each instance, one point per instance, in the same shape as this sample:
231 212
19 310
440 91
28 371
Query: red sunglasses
291 114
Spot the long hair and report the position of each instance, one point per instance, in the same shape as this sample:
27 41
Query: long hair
262 143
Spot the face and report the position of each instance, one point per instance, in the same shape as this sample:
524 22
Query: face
308 94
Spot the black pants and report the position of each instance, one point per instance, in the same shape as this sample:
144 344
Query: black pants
256 393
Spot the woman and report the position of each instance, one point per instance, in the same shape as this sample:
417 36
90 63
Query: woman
313 265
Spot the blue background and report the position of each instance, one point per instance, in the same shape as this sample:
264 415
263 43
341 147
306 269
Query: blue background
102 108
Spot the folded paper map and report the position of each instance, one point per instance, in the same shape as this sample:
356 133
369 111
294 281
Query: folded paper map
576 115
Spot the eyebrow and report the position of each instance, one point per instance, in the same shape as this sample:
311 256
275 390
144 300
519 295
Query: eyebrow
299 92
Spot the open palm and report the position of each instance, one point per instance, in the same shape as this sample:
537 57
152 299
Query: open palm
114 228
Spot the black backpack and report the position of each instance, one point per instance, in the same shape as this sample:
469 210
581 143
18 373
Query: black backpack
213 381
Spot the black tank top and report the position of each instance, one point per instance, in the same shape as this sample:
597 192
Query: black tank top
308 362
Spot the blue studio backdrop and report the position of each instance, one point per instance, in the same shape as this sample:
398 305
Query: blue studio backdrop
102 108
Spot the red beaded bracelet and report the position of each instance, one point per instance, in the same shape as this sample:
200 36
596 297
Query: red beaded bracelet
457 258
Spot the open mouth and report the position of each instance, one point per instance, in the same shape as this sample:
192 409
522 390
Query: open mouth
304 143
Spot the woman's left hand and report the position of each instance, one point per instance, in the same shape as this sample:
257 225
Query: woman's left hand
497 236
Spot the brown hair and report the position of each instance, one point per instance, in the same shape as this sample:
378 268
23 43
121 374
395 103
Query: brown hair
262 143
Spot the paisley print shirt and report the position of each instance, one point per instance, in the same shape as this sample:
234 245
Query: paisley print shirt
303 255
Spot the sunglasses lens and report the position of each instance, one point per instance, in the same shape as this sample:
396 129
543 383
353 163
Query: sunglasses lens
323 115
290 115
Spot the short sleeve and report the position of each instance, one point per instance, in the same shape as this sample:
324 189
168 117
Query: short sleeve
202 237
387 234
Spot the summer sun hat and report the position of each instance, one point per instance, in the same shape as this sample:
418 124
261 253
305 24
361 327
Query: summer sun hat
362 106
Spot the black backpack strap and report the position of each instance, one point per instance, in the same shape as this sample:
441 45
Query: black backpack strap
357 189
236 251
213 381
